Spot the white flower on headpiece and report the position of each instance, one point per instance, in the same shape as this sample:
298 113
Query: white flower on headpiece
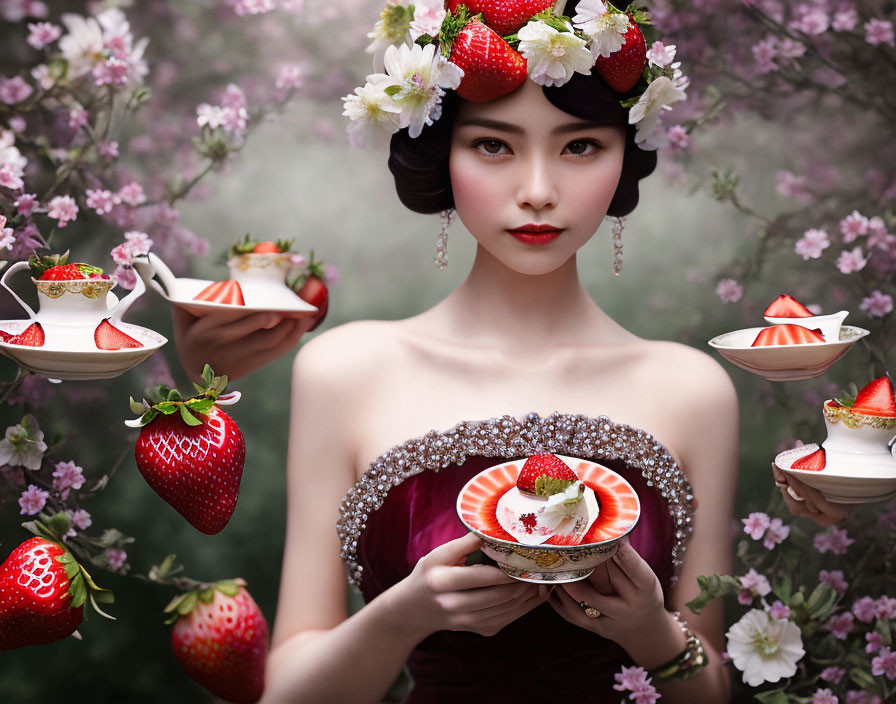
606 29
552 56
416 81
391 28
660 54
428 17
645 114
373 114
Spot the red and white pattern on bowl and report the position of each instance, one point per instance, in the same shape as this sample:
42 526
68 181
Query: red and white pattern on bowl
618 502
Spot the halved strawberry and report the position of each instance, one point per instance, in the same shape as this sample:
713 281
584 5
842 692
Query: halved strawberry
544 467
503 16
492 68
876 399
813 462
785 306
787 334
267 248
32 336
623 68
228 292
108 337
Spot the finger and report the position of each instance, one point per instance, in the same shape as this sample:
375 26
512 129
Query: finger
507 613
225 330
582 590
485 598
815 502
273 338
454 551
600 579
571 610
633 566
182 319
442 578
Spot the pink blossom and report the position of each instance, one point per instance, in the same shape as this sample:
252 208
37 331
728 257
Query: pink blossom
885 608
879 32
132 194
833 674
7 237
254 7
875 641
790 185
777 533
729 290
111 72
779 610
234 97
9 178
851 261
127 277
636 681
812 244
33 500
877 305
764 52
835 579
66 476
845 20
289 77
77 118
17 123
856 697
64 209
864 609
135 244
25 203
812 22
331 274
81 519
660 54
754 584
43 33
833 540
678 137
877 233
101 201
108 149
115 558
756 524
791 49
823 696
840 624
165 214
853 226
884 664
14 90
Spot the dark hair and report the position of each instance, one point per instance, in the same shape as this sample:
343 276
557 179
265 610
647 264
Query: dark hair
420 165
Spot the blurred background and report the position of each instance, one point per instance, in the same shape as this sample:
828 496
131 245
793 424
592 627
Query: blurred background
709 247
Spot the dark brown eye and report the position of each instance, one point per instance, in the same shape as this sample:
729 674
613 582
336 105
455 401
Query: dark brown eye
490 146
581 146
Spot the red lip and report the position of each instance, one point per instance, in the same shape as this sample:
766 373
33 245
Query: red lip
536 234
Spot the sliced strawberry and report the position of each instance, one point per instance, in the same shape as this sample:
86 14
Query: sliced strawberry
32 336
543 465
876 399
623 68
785 306
813 462
108 337
492 68
228 292
787 334
266 248
503 16
64 272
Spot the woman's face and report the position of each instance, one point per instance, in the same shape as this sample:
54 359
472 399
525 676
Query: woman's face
532 183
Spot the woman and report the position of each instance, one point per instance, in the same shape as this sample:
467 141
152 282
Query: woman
518 360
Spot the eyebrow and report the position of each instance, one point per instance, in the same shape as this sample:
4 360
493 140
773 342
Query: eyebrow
516 129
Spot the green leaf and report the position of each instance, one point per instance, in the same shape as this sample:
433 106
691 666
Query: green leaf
166 407
883 627
821 601
200 405
165 568
863 678
189 601
59 523
392 90
104 596
206 596
188 417
772 696
78 591
174 603
149 417
174 395
208 375
713 587
137 407
782 587
228 587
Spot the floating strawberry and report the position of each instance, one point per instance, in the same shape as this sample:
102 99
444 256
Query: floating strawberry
503 16
545 474
108 337
813 462
876 399
221 640
32 336
787 335
228 292
623 68
311 288
785 306
191 452
492 68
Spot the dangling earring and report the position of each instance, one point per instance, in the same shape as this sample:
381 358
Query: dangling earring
441 258
618 227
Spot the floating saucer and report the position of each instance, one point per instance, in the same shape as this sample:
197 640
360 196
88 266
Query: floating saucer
259 296
619 511
64 362
862 480
784 362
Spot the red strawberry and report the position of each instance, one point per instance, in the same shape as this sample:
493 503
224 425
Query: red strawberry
36 596
222 641
787 335
195 468
623 68
228 292
492 68
314 291
503 16
876 399
785 306
813 462
544 465
266 248
32 336
65 272
108 337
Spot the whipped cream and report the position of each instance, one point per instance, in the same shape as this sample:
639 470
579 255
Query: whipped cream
532 520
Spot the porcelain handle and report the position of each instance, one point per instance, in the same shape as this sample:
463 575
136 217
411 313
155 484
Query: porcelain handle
128 301
18 266
150 266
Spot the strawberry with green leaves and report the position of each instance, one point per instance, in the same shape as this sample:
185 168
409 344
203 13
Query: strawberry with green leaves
623 68
248 245
311 288
220 638
191 452
544 475
503 16
874 399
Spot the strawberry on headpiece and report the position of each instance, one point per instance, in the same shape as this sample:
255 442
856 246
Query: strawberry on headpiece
485 49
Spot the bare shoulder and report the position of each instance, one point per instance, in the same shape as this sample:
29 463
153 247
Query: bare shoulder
346 353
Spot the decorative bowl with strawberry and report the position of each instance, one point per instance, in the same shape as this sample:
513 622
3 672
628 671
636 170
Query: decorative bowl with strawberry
549 518
786 310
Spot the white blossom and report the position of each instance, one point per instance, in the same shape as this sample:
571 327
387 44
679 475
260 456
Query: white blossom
373 114
553 56
606 29
765 649
645 114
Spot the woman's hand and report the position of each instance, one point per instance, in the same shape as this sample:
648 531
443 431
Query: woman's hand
626 593
234 347
803 500
444 594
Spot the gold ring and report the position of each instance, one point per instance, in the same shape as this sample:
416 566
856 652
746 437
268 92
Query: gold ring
589 610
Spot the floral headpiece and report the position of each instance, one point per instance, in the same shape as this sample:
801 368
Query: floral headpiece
484 49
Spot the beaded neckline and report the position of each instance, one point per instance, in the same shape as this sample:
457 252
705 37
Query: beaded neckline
507 436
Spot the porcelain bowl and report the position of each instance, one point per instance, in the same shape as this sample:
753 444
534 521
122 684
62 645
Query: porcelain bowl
828 324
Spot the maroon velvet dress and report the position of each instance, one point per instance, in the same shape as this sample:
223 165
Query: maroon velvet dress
404 506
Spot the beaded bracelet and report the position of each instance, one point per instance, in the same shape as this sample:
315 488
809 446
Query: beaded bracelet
686 664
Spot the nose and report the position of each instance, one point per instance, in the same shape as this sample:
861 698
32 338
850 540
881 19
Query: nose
537 188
